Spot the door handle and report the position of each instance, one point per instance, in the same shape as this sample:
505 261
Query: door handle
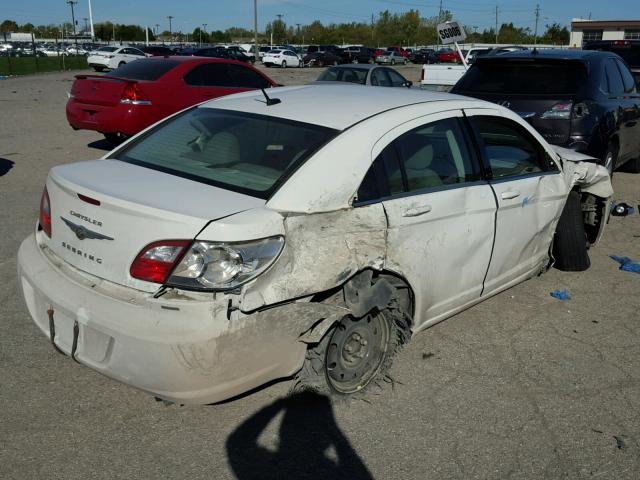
509 194
415 212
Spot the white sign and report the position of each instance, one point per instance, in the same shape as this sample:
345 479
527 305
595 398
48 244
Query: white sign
451 32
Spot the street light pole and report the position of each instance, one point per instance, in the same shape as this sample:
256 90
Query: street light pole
73 17
170 31
91 22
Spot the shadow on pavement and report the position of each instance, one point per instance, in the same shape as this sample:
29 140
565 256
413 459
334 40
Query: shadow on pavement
5 166
102 145
310 444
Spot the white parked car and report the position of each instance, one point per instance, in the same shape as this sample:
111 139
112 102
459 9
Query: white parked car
281 58
195 265
391 57
113 57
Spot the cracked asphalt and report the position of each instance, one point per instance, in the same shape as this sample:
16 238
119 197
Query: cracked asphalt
520 386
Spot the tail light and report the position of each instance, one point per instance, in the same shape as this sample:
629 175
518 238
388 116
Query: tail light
132 95
45 212
156 261
560 111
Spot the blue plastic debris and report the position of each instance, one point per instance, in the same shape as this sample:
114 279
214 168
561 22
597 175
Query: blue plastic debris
561 295
626 264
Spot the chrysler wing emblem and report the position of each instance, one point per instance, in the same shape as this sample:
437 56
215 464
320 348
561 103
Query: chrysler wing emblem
82 232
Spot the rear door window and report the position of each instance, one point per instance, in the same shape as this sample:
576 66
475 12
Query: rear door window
244 77
397 80
614 78
627 78
379 78
431 156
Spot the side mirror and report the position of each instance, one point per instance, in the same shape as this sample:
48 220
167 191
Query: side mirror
407 84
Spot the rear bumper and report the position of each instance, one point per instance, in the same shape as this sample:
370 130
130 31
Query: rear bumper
118 118
181 349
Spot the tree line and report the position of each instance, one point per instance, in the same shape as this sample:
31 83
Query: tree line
407 28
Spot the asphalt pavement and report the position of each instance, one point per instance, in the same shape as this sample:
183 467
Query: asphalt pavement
521 386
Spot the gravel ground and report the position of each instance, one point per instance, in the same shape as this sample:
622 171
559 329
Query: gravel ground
520 386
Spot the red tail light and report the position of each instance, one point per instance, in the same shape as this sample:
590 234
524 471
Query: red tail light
156 261
45 212
133 95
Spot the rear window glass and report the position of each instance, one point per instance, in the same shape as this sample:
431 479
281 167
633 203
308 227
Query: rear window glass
351 75
246 153
524 77
144 69
108 49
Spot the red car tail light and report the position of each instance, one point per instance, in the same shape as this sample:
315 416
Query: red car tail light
155 262
132 95
45 212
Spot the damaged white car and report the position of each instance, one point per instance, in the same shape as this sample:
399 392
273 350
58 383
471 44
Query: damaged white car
310 235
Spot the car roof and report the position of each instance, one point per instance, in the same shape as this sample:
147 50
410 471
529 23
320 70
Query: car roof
556 54
360 66
336 106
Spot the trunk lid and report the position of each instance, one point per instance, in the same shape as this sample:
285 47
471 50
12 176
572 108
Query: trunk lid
98 89
137 206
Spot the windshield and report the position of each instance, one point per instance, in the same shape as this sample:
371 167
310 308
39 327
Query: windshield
351 75
247 153
524 76
144 69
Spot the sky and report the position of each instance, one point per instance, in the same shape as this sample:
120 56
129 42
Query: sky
222 14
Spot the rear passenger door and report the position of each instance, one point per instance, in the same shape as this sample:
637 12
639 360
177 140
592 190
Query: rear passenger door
530 192
440 212
631 115
209 80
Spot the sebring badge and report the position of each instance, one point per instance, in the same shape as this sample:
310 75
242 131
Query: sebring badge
83 232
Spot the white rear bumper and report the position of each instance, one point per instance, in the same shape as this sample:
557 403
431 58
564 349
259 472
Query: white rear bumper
180 349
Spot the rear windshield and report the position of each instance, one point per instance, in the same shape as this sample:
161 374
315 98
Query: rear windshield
351 75
107 49
247 153
144 69
524 77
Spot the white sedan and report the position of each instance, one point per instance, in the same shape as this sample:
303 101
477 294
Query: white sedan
113 57
281 58
195 265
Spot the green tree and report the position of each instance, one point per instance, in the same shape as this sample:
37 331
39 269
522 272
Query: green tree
556 35
8 26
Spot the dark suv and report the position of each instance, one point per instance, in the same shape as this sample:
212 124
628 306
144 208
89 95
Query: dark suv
584 100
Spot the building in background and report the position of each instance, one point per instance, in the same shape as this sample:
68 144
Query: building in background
583 31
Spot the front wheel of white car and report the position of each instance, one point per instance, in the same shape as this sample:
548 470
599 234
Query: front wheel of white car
354 354
570 240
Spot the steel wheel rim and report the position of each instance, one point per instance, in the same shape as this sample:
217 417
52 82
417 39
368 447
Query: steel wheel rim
356 352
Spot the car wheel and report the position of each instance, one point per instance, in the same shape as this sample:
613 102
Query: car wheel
98 69
393 62
283 64
632 166
335 62
405 61
610 158
121 63
570 240
354 354
114 138
355 60
320 63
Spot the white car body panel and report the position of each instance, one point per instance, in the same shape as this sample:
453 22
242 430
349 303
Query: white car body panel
444 76
195 347
138 206
277 59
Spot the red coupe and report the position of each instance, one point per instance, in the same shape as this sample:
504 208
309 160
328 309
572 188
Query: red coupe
448 56
139 93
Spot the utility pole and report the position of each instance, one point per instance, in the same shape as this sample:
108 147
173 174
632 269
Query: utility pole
113 26
73 17
535 34
157 25
255 31
496 24
372 23
86 26
170 31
